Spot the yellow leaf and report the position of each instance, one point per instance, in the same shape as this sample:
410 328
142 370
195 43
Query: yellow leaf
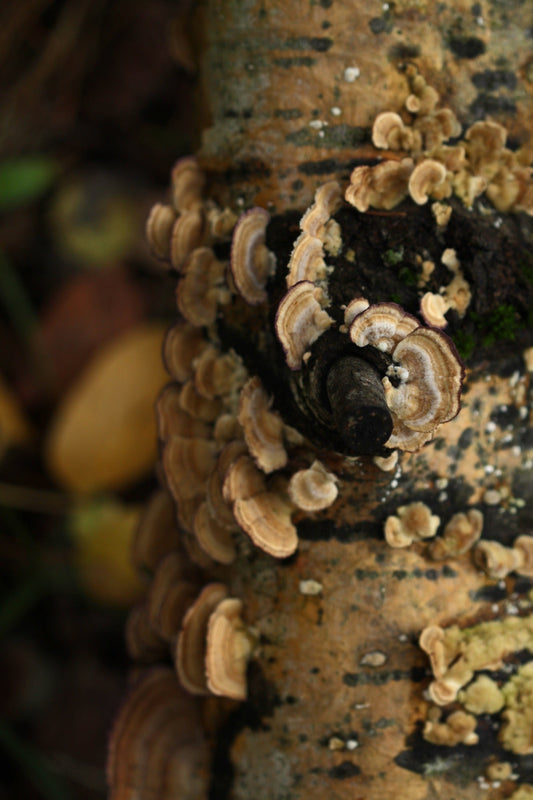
102 533
104 433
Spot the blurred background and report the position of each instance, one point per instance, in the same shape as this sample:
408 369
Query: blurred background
96 106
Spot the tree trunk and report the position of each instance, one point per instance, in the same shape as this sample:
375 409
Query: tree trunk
337 695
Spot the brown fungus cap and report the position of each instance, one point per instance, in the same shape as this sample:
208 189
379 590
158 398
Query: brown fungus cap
197 406
382 325
433 307
142 642
300 320
188 233
387 131
187 184
218 374
172 420
220 508
251 260
187 463
157 532
192 640
497 560
159 226
157 748
405 439
382 186
201 287
307 261
313 489
426 179
266 518
229 646
459 536
173 588
214 539
263 428
328 200
242 480
430 393
411 523
183 344
354 308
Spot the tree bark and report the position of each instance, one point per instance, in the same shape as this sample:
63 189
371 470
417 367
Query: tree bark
337 695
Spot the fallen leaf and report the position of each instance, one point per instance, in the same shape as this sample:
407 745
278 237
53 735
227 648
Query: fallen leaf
102 532
103 435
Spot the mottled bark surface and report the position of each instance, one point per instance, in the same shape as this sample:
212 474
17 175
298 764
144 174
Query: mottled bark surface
337 696
291 88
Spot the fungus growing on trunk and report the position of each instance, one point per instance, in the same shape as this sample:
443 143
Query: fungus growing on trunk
251 260
228 648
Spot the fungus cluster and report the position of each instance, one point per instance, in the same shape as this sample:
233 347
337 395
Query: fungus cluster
425 166
459 660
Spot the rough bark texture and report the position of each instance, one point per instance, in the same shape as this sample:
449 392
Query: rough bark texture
291 88
290 92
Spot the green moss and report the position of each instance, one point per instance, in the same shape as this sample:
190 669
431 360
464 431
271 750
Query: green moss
392 257
407 276
465 343
501 324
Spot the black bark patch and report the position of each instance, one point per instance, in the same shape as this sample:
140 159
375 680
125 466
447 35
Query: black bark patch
403 52
465 439
486 104
492 79
319 43
324 530
466 46
296 61
346 769
352 679
505 416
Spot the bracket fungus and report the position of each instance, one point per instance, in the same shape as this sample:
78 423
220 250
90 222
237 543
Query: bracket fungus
191 646
411 523
262 428
251 260
300 320
229 646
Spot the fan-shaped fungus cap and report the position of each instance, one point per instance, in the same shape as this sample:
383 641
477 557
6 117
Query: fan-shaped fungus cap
142 642
266 518
187 464
497 560
427 177
486 141
382 325
459 535
157 533
192 640
382 186
313 489
354 308
432 642
197 406
251 260
263 428
188 182
386 130
242 480
459 728
157 747
173 588
218 374
524 545
328 199
307 261
431 393
300 320
411 523
433 307
405 439
183 344
220 508
229 646
201 287
172 420
214 539
159 229
188 233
